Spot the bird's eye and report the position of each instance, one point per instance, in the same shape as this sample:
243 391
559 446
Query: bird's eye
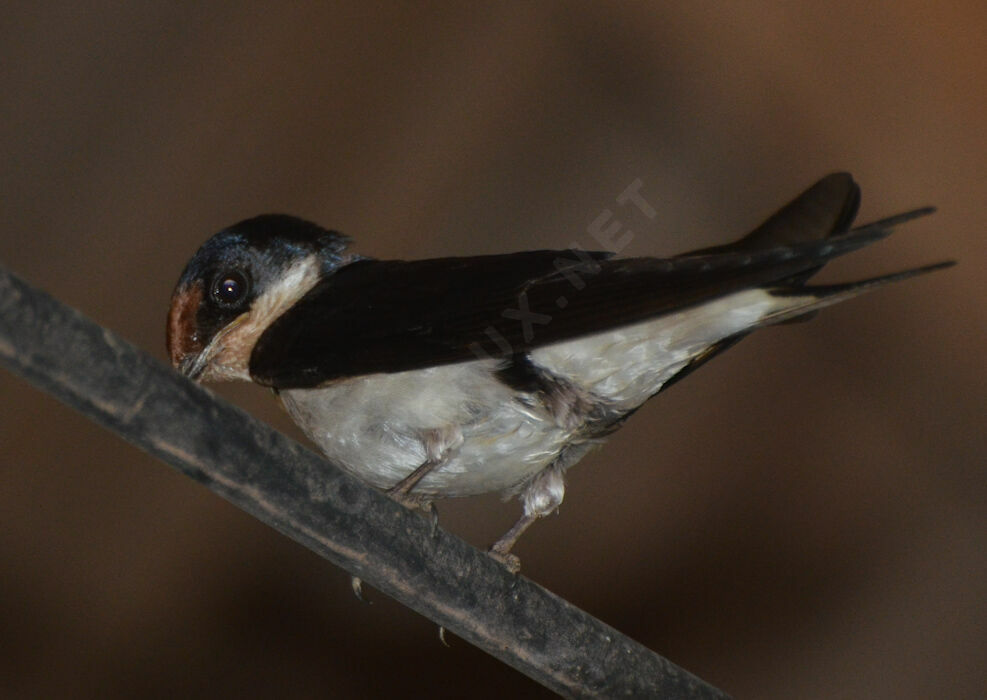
230 288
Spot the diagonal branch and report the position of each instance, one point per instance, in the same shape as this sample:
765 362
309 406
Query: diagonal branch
293 490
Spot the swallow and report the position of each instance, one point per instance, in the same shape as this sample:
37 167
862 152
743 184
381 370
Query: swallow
465 375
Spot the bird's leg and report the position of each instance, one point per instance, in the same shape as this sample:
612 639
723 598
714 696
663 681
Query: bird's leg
439 444
501 549
541 496
401 491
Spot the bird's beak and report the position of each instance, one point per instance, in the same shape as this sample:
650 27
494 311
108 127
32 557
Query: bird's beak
185 347
191 366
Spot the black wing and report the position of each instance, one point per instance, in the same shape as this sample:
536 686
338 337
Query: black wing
388 316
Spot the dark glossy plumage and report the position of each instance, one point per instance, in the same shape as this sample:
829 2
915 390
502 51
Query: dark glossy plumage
386 316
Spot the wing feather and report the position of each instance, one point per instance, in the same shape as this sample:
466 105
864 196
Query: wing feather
388 316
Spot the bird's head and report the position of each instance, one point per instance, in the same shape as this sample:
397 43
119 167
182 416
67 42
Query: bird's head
237 284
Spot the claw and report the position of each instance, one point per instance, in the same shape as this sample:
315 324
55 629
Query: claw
356 584
433 517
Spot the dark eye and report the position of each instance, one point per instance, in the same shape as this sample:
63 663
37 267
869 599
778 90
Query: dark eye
230 288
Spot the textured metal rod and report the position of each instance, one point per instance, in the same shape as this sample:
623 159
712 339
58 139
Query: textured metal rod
301 495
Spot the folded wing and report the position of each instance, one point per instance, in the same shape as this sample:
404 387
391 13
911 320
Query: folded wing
387 316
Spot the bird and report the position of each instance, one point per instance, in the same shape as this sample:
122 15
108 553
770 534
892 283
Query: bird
460 376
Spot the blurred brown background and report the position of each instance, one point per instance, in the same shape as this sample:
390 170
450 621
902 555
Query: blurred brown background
805 517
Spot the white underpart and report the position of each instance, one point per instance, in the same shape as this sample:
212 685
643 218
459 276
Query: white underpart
380 426
628 365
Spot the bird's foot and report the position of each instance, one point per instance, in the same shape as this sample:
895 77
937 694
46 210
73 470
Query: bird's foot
510 561
414 501
417 502
501 549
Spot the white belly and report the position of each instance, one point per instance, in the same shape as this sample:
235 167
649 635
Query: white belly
378 426
381 427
